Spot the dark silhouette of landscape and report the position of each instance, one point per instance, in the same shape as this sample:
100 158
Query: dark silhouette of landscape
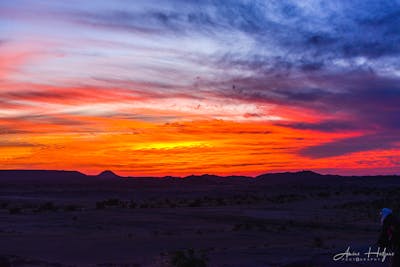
299 219
62 176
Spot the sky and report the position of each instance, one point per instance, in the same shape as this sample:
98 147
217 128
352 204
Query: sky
192 87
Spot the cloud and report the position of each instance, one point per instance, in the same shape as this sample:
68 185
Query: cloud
351 145
331 69
9 144
323 126
316 33
10 130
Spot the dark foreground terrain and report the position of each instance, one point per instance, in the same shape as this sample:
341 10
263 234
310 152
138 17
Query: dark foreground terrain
303 219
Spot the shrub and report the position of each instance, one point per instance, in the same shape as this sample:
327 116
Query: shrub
221 202
5 262
195 203
48 206
237 227
188 259
109 202
318 242
323 194
132 204
14 210
71 207
113 202
100 205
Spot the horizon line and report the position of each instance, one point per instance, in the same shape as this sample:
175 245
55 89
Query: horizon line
199 175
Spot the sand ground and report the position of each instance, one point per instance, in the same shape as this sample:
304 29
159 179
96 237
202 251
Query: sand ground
256 226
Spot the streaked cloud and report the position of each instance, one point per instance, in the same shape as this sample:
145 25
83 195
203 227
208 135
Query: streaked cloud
315 81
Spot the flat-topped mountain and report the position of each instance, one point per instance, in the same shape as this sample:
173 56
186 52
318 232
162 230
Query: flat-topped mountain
40 175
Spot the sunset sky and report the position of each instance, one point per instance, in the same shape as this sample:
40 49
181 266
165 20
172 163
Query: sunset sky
191 87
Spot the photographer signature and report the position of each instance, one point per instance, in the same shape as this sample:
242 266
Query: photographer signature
377 254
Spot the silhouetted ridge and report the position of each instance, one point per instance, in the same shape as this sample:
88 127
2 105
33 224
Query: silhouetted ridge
291 174
40 175
108 174
109 177
203 179
291 177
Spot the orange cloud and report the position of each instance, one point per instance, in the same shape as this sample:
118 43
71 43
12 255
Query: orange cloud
145 148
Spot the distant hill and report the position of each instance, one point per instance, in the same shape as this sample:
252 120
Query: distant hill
292 177
108 175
